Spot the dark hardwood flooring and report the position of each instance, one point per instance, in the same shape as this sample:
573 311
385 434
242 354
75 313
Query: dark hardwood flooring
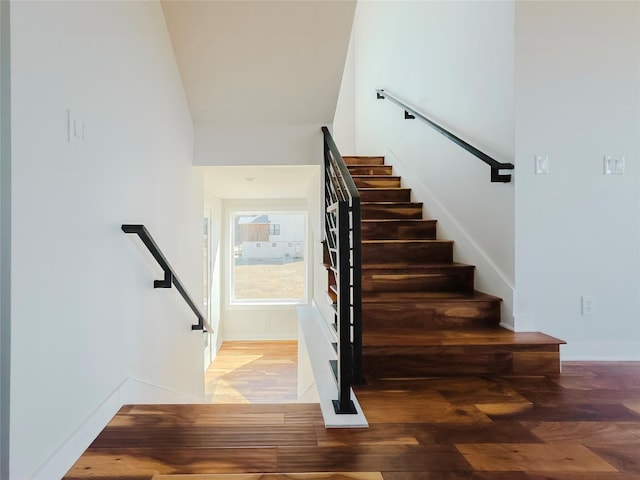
581 425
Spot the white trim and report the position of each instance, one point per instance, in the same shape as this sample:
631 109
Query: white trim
130 391
602 351
66 454
135 391
433 200
252 337
320 352
501 285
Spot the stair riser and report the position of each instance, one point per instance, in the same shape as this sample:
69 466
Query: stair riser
385 195
386 362
436 252
370 169
460 280
377 182
391 211
351 160
425 230
388 319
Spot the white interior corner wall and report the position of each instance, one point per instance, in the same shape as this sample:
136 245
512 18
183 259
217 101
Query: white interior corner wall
344 122
258 144
214 205
577 100
261 77
454 62
88 330
5 237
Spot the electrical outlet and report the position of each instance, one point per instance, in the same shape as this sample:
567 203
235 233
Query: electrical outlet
588 305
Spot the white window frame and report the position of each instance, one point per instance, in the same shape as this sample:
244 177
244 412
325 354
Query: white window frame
261 208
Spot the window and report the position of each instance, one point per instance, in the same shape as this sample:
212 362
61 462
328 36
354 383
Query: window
268 270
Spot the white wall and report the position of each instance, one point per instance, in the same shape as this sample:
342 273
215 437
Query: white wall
5 238
577 99
214 205
344 123
247 144
88 329
454 62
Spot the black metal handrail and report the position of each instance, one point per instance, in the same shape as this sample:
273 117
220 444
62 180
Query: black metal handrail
410 114
169 274
343 241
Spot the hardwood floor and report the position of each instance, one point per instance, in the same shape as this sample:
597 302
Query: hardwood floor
254 372
581 425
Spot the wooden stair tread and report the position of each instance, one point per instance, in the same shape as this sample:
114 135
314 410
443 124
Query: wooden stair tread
399 204
403 267
420 312
399 220
404 297
366 160
463 337
426 241
375 177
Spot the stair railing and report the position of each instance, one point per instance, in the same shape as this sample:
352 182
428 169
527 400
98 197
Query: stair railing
343 242
170 278
411 113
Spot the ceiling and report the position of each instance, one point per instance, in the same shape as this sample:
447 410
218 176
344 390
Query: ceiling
261 182
272 64
260 61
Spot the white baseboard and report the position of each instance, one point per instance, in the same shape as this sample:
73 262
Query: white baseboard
135 391
496 281
601 351
130 391
258 338
59 463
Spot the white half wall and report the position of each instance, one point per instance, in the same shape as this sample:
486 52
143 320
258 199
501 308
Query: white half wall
85 315
453 61
577 230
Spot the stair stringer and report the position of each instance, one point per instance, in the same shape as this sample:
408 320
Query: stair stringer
489 277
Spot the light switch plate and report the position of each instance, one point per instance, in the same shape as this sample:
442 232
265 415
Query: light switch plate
76 129
541 164
613 165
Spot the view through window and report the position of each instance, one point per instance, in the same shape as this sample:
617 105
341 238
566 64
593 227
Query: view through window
268 257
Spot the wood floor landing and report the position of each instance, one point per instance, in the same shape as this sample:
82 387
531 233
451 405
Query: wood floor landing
581 425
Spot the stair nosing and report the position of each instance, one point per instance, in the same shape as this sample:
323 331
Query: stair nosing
393 203
416 266
402 241
378 220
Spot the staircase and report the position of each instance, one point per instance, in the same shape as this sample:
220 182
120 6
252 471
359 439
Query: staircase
420 312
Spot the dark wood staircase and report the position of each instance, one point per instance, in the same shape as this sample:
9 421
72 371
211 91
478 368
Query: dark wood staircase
420 312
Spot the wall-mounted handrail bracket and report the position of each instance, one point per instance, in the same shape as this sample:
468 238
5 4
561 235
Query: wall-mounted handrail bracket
496 176
411 113
165 282
170 277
